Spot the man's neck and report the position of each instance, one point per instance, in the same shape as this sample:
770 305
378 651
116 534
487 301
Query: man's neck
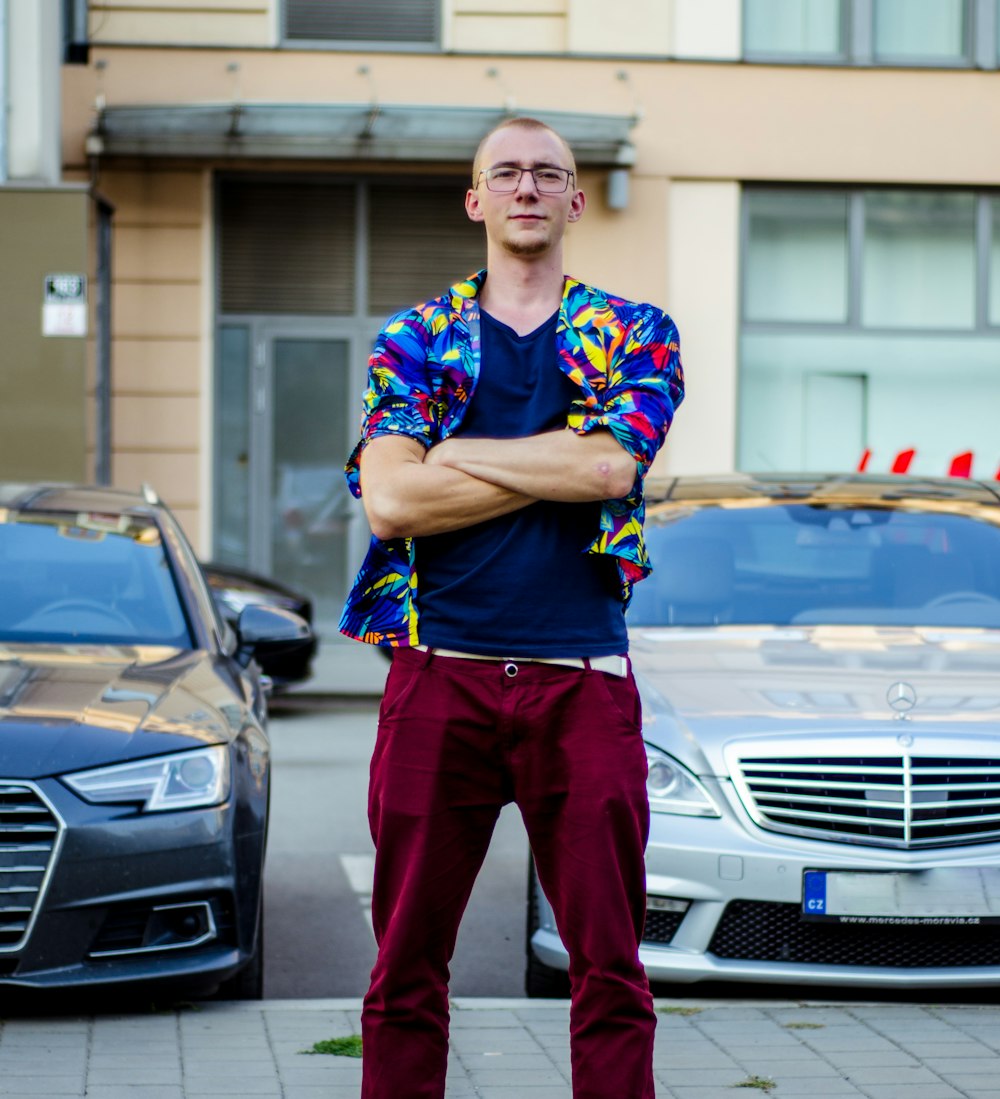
522 294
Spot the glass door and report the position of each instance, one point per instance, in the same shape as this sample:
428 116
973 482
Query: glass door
303 510
283 401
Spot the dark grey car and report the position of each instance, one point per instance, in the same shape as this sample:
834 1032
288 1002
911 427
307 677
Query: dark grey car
134 758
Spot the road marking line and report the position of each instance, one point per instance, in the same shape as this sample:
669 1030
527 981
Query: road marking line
360 872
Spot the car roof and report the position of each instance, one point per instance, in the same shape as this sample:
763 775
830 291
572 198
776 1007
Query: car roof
71 497
857 488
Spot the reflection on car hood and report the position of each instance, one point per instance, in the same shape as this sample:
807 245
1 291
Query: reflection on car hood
703 688
68 708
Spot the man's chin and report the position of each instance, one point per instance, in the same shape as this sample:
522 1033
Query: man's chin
527 247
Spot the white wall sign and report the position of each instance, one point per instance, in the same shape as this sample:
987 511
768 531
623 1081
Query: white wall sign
64 308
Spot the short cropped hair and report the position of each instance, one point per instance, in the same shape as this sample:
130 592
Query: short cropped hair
525 123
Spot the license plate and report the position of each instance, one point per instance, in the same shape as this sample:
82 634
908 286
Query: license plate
939 897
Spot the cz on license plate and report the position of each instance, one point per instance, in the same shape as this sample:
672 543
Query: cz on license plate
939 897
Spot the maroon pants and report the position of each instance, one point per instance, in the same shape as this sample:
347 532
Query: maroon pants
458 739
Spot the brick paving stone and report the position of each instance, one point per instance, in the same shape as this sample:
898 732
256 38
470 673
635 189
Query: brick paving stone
975 1083
714 1058
502 1092
884 1058
764 1064
958 1048
213 1089
709 1077
484 1019
900 1075
150 1076
965 1066
513 1062
133 1091
47 1087
806 1089
713 1092
321 1074
913 1091
517 1080
18 1062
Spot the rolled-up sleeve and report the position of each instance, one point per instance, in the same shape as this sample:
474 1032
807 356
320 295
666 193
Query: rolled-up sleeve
398 398
644 387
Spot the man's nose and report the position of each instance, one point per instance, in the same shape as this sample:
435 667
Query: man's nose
526 184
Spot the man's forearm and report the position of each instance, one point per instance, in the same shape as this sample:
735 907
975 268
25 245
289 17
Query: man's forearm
557 465
406 497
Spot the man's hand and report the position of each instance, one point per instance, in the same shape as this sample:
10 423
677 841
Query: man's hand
557 465
406 496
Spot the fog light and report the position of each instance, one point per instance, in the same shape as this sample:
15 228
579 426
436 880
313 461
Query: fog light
666 904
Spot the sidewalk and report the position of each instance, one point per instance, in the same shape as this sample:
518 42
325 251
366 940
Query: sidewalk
512 1049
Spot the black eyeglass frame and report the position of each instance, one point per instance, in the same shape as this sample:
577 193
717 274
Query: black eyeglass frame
567 173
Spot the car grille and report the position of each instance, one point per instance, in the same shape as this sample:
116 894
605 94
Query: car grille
892 801
763 931
661 926
29 830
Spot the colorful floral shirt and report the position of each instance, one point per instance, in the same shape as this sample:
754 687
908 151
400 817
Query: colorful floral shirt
624 356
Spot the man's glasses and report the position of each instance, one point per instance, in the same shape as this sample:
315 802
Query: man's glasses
548 181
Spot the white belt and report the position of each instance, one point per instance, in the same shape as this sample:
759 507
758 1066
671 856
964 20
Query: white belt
612 665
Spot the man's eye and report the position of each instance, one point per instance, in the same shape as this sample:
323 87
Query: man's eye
548 175
504 174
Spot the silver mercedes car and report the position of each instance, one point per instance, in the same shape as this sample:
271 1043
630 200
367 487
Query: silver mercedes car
819 659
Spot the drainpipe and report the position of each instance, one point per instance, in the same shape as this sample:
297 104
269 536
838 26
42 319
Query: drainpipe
102 465
3 91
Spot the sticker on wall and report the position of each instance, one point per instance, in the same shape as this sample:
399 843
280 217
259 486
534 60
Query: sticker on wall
64 307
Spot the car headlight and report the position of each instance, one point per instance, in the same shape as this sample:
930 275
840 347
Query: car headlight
183 781
672 788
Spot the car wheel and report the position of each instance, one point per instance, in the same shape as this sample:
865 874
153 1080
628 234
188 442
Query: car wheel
541 981
248 983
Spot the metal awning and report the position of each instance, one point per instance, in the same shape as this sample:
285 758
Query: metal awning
241 131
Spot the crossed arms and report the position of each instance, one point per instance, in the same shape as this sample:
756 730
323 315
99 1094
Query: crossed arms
409 491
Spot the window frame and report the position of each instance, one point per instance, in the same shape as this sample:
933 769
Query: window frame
981 41
985 226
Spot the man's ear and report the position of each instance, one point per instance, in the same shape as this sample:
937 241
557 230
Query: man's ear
472 207
576 207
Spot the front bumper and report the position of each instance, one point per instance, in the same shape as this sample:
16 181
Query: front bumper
150 899
743 888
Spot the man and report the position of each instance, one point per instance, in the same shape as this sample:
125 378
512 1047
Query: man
507 429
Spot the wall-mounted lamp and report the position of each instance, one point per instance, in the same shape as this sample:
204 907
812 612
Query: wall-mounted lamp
617 189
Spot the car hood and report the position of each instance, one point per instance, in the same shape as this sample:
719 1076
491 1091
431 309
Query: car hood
69 708
706 688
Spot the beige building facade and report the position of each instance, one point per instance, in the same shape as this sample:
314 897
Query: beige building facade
810 187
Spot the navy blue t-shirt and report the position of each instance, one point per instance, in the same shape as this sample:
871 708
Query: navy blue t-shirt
521 584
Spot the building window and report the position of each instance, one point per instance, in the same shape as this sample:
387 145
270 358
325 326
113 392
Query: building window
398 22
920 30
994 263
870 320
919 260
797 267
793 28
933 33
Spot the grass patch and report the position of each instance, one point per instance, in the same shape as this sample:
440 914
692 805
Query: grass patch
762 1083
680 1010
804 1026
338 1047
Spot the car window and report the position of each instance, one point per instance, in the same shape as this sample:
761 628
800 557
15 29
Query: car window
812 564
87 579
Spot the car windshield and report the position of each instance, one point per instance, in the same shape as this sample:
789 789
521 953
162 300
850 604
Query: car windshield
811 564
87 579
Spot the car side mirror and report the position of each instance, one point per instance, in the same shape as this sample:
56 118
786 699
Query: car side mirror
270 635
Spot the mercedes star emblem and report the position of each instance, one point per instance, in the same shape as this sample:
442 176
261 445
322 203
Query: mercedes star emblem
902 698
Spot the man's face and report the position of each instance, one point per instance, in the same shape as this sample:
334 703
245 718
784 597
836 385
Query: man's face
524 222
